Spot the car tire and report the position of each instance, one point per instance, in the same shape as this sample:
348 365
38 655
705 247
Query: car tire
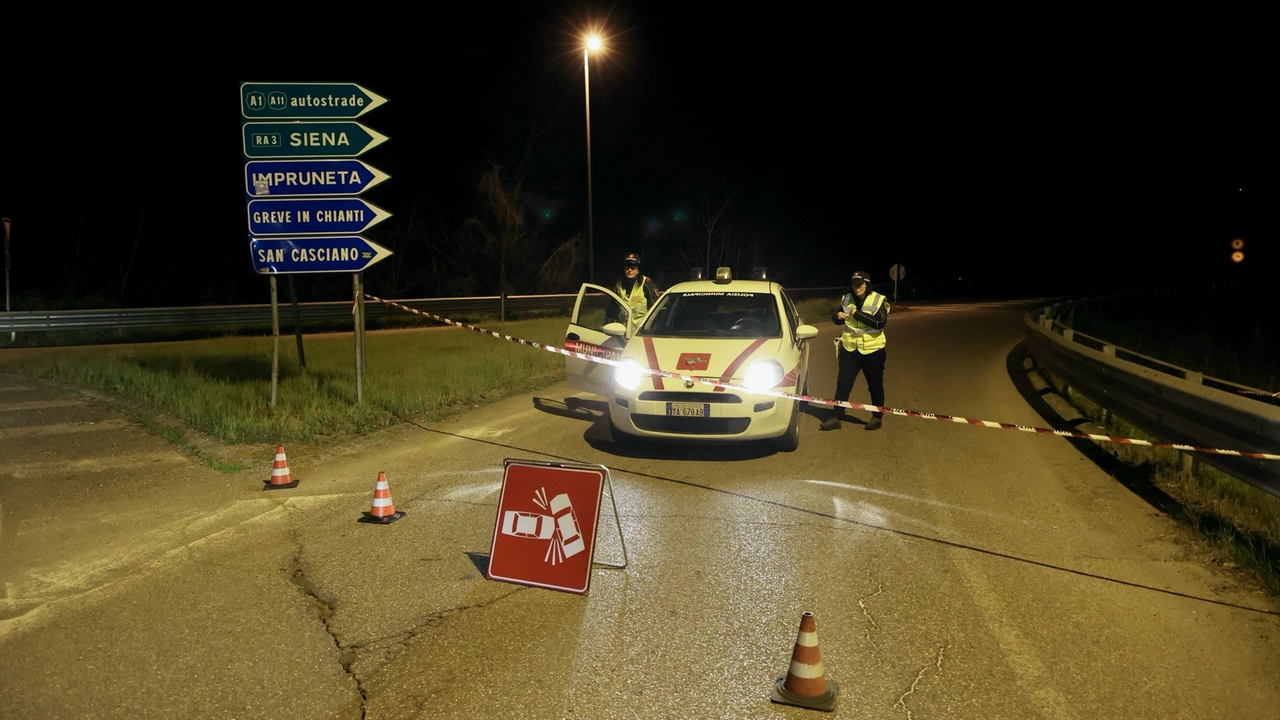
790 440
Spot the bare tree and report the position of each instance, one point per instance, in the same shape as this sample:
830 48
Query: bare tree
502 225
125 270
73 268
714 226
561 270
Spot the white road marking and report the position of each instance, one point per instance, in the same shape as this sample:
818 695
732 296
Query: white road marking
913 498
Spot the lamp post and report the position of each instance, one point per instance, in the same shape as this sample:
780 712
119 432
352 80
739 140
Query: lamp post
593 43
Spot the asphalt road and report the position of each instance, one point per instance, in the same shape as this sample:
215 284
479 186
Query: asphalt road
953 571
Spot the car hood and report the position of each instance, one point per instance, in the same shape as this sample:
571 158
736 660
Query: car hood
719 358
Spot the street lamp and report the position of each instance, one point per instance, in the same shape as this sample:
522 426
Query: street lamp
593 43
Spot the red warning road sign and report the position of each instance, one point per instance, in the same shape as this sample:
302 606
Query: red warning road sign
546 526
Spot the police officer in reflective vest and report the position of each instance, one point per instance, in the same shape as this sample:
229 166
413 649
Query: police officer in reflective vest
638 291
863 313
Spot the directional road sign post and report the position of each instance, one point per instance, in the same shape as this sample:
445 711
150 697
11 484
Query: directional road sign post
327 254
300 101
298 140
303 216
309 139
270 178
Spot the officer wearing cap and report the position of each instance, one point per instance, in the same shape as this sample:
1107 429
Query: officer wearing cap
638 291
863 313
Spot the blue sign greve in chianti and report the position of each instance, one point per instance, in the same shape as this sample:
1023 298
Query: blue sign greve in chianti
313 216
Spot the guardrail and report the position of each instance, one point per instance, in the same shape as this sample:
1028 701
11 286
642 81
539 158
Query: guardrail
219 315
213 316
1170 403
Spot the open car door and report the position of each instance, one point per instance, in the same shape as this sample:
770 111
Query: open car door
596 308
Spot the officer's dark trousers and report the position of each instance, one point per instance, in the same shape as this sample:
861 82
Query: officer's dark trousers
872 365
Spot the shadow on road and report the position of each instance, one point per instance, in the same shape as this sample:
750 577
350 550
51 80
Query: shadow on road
481 561
1137 479
600 437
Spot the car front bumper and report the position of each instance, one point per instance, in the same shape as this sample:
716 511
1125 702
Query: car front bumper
730 416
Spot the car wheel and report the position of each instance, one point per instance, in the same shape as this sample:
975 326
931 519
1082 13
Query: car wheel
791 439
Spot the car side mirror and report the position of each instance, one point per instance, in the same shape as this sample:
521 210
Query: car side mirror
806 332
619 330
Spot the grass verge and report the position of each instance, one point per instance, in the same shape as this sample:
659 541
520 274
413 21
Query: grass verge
222 387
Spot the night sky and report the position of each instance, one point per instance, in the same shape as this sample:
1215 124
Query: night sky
1029 164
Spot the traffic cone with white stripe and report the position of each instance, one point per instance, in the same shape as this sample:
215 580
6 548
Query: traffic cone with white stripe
383 510
280 478
806 684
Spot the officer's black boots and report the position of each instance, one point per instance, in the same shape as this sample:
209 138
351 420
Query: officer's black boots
833 420
872 424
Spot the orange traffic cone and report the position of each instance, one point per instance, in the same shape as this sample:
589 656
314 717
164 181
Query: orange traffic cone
806 684
383 510
280 478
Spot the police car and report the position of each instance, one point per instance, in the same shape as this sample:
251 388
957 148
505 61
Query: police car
743 332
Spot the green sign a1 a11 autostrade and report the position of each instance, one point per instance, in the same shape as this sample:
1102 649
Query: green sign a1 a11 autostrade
302 101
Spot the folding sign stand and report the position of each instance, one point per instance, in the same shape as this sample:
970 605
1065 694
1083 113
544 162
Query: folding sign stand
545 532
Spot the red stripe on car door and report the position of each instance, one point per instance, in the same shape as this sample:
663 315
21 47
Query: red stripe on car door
733 366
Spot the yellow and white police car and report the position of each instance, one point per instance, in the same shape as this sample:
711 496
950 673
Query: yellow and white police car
742 332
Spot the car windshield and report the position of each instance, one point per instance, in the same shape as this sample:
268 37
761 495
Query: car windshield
714 314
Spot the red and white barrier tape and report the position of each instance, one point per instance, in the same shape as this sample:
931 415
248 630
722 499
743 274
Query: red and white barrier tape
839 403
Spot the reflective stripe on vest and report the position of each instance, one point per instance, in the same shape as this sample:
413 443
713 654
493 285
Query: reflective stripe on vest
639 304
858 336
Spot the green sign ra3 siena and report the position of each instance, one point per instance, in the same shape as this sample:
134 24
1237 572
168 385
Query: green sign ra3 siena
309 139
305 101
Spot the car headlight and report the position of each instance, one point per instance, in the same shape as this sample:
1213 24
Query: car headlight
628 374
762 375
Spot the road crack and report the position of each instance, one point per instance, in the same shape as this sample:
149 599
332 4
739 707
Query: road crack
937 664
871 622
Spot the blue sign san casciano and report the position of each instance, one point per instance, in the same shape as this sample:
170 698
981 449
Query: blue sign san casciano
309 139
313 216
268 178
275 256
302 101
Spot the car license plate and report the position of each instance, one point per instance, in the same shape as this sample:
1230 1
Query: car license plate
688 409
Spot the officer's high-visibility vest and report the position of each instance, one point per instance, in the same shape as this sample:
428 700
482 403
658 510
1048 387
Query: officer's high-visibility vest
638 302
857 335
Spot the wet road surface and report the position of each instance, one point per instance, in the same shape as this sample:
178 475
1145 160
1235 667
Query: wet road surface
953 571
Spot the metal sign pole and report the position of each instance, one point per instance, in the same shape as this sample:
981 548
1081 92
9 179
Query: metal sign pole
364 346
357 291
297 323
275 341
